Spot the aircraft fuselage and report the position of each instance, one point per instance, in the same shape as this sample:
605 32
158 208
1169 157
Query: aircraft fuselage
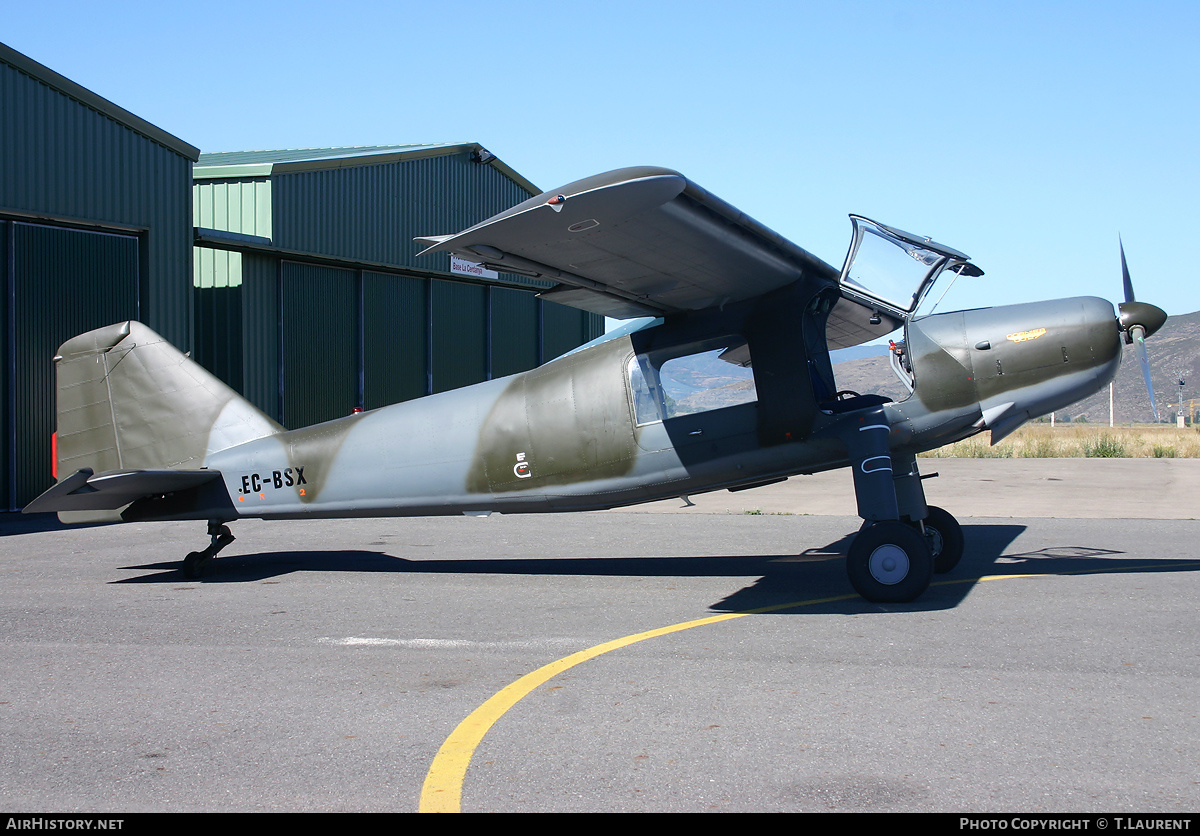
567 436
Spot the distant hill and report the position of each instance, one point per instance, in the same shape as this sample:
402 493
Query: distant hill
1174 353
858 352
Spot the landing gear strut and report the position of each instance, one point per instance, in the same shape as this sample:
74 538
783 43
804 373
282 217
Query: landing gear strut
903 541
219 537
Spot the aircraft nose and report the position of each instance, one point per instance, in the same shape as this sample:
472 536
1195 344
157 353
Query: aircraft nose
1032 359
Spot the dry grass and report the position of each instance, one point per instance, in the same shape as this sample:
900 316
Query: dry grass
1041 441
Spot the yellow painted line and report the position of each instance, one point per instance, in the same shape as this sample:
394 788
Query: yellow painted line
442 790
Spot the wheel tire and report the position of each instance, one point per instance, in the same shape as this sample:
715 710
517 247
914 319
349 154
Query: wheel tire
945 538
193 565
890 562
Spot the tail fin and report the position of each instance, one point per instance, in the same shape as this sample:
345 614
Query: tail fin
137 419
129 400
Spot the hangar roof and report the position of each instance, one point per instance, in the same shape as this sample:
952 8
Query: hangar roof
225 164
97 103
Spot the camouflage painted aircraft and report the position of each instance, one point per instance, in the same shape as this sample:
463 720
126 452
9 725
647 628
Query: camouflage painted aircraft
144 433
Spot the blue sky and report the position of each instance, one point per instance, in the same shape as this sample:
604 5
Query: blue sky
1028 135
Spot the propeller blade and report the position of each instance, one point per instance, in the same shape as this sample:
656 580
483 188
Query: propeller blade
1139 320
1139 343
1125 274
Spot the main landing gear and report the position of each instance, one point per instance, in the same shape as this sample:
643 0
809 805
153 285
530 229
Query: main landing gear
903 541
219 537
891 561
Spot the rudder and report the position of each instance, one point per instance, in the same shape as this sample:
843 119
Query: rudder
129 400
138 418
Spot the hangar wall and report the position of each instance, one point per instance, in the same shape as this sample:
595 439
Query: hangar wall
359 321
95 225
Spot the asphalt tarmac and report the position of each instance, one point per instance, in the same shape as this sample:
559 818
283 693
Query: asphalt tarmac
322 665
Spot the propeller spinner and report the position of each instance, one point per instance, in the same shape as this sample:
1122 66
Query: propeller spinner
1139 320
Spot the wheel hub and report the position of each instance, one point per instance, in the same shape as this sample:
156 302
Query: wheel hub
888 564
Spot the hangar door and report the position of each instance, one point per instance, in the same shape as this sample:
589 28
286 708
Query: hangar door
58 282
353 338
356 338
320 343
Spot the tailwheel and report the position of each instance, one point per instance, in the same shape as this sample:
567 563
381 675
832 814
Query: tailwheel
194 563
889 562
945 538
219 537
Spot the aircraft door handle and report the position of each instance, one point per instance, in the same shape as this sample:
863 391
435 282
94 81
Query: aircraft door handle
696 432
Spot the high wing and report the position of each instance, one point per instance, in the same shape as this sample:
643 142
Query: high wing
647 242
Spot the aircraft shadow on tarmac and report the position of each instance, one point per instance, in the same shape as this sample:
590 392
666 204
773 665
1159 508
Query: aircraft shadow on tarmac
805 580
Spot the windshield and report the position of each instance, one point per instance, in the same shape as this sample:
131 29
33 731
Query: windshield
893 267
889 269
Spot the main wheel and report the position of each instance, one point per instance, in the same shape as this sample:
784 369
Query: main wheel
945 538
889 562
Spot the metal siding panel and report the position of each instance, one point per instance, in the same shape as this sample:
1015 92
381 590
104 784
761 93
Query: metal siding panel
459 344
564 329
234 205
260 333
241 206
67 282
395 339
167 307
373 212
593 327
219 207
320 344
7 403
261 195
514 331
218 332
63 159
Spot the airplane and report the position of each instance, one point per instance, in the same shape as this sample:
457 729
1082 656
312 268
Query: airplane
144 433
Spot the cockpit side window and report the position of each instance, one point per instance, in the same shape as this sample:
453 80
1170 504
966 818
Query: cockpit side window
690 378
648 401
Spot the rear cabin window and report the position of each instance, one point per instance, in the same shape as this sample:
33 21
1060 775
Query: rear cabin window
692 378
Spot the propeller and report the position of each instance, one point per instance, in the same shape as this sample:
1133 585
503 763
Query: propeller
1139 320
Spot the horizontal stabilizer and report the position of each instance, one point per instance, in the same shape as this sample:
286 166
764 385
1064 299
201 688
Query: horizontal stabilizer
85 491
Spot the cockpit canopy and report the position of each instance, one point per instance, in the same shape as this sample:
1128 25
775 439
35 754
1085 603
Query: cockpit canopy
891 271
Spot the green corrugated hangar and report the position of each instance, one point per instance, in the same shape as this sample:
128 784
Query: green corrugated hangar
95 228
310 297
292 275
